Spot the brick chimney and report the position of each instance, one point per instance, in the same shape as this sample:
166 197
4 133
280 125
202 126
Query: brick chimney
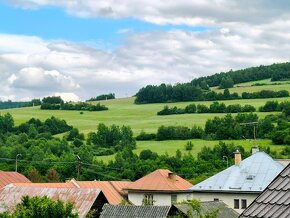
172 175
238 157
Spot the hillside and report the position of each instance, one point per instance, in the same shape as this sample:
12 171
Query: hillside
143 117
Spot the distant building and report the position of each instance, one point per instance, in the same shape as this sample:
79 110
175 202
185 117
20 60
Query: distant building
240 184
84 199
131 211
113 190
11 177
274 201
160 188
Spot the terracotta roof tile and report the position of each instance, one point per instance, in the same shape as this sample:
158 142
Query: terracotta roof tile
160 180
11 177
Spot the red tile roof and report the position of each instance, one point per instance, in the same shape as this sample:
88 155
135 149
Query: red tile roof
160 180
113 190
11 177
82 198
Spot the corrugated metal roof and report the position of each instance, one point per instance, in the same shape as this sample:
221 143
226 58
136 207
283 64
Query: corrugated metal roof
129 211
252 175
160 180
274 201
11 177
223 210
113 190
82 198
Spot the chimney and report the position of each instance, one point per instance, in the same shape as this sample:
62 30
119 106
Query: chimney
255 149
238 157
171 175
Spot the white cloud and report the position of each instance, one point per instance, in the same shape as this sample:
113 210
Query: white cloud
242 34
67 96
205 12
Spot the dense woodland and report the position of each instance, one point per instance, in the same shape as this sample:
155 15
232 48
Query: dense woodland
199 89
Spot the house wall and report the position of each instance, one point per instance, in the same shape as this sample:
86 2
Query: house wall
227 198
160 199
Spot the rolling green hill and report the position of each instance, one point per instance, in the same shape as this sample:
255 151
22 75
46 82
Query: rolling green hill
143 117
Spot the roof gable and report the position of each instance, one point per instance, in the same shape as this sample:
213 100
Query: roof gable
160 180
11 177
82 198
274 201
253 174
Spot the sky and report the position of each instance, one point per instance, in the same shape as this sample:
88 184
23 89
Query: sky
80 49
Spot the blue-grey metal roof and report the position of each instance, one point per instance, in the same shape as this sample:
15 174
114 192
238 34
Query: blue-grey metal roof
253 174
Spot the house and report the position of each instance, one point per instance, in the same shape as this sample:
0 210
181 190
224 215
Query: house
159 188
223 210
240 184
274 201
11 177
84 199
132 211
113 190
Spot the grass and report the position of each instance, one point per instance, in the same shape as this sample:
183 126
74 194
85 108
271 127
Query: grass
170 147
125 112
143 117
249 86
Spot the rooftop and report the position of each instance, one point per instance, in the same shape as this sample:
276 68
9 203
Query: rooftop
274 201
253 174
113 190
82 198
160 180
11 177
130 211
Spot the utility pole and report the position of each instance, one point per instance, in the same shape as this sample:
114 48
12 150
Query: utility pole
16 159
79 167
254 124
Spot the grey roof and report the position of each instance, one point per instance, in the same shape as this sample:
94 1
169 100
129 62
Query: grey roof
223 210
253 174
274 201
131 211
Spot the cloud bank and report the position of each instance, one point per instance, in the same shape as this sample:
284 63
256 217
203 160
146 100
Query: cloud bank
241 34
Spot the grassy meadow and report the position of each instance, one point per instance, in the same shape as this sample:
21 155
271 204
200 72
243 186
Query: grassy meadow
143 117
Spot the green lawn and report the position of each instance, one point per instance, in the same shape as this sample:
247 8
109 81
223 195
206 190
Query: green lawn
170 147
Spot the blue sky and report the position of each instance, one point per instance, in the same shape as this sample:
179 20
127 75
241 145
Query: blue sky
80 49
54 23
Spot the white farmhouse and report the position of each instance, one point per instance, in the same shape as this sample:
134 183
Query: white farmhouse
159 188
240 184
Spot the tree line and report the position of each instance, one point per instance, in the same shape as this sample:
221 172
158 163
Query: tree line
277 72
56 103
187 92
274 127
103 97
215 107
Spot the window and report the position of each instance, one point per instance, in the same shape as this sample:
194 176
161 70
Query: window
244 204
216 199
148 199
173 199
236 203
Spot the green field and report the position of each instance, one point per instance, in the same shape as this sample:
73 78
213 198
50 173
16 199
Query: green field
250 87
143 117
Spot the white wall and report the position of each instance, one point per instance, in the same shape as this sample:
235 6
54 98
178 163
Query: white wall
160 199
227 198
